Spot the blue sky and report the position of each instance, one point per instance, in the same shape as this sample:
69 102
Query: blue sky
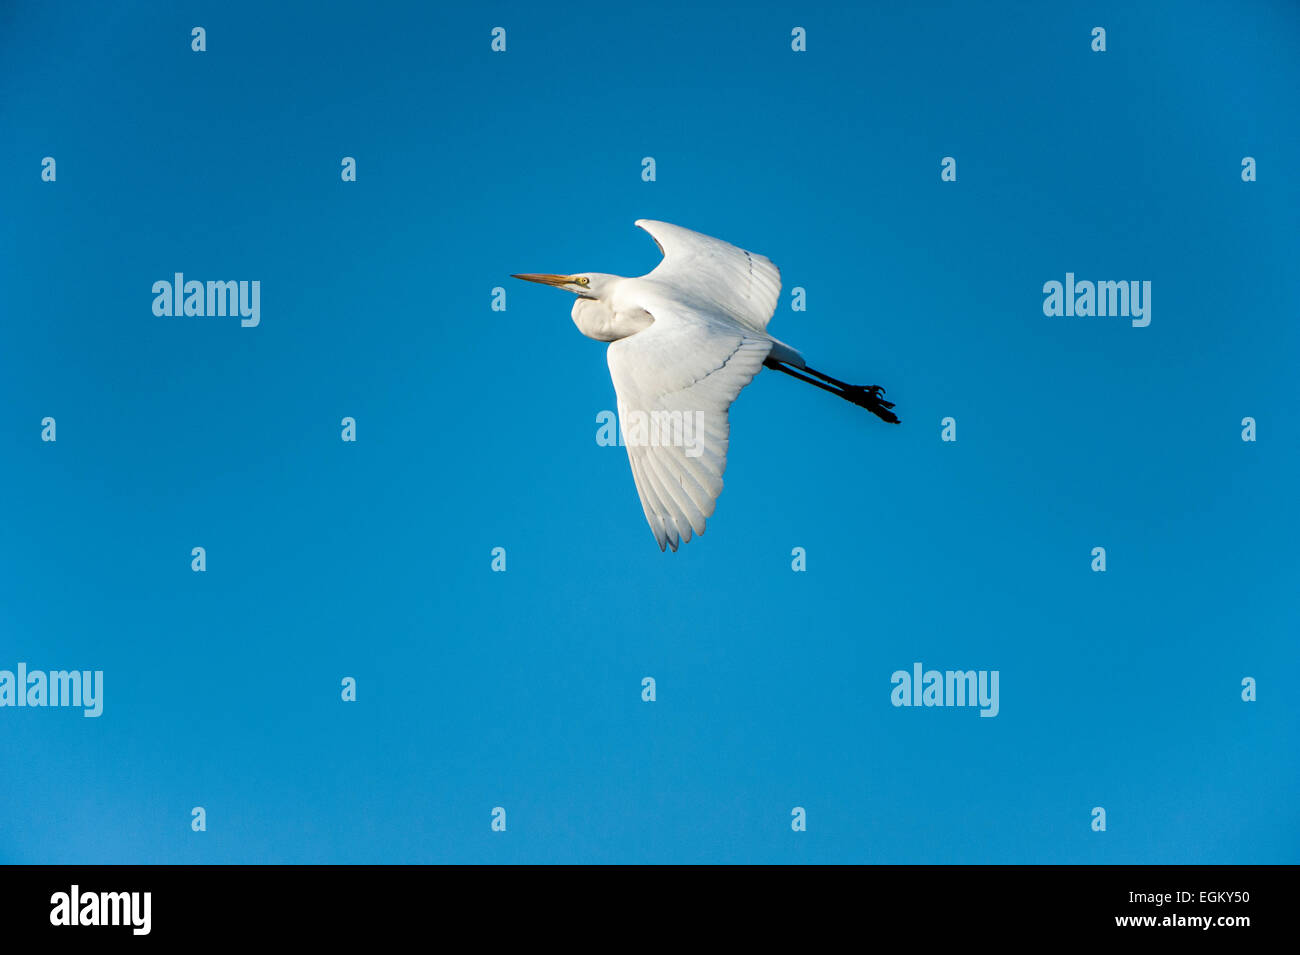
476 429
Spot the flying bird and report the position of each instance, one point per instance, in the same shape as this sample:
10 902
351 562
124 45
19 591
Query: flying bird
685 338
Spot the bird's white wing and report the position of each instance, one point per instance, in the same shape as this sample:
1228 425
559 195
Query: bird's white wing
675 382
744 285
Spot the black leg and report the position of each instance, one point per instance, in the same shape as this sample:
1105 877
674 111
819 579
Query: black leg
868 397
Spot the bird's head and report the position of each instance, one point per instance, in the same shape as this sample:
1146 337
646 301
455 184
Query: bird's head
585 284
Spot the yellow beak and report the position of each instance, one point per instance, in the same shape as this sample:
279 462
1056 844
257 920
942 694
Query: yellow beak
543 278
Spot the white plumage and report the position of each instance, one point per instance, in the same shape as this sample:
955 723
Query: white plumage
685 339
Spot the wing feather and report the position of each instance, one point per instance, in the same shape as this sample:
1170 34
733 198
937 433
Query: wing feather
683 372
744 285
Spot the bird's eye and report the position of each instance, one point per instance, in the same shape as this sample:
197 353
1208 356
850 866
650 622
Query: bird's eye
584 281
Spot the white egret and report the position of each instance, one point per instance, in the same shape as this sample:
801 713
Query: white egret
686 337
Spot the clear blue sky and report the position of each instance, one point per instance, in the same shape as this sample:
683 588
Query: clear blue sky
477 429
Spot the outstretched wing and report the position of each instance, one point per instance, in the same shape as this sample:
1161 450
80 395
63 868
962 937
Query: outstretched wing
675 382
741 284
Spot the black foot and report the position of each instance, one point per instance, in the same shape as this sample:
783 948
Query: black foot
868 396
870 393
